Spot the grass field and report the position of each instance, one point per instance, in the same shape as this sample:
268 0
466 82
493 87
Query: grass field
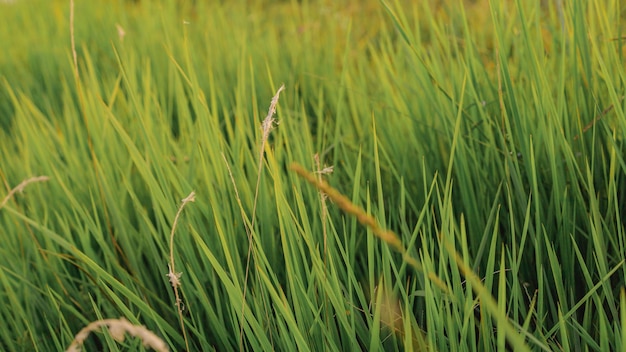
434 175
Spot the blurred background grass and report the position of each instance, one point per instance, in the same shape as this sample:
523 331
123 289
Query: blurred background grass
495 126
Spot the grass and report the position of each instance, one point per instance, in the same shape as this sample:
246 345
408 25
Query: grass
475 201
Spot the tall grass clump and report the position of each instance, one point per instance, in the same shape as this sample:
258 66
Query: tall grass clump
475 201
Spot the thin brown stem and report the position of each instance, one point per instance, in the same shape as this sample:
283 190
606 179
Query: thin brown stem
172 274
386 236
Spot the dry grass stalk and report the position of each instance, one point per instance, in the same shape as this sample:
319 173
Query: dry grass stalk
172 274
118 328
346 205
386 235
270 121
266 126
320 172
20 188
327 170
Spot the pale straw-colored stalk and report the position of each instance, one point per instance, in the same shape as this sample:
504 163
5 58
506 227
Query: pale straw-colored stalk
118 328
172 274
266 127
20 188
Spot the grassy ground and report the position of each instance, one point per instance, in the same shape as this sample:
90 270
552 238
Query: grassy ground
477 158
